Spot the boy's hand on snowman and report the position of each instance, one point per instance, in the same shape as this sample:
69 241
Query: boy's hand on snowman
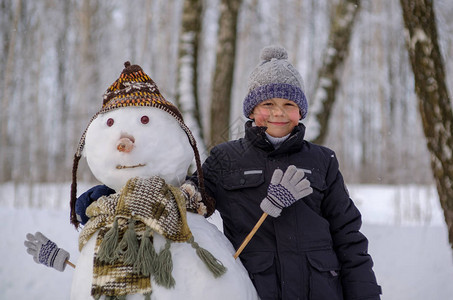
89 197
46 252
194 202
285 189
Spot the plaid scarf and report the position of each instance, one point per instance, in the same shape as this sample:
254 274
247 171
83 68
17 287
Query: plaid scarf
125 222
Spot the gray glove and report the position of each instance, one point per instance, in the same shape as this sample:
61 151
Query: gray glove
46 252
285 189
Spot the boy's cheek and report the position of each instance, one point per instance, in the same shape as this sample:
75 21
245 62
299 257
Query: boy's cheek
260 117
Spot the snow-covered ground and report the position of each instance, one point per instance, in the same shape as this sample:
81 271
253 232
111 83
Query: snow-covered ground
404 224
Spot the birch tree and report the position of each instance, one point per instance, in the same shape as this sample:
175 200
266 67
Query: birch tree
5 136
433 97
223 75
187 78
329 74
87 72
63 87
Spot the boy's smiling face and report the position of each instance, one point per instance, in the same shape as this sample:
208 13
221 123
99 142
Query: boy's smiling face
280 116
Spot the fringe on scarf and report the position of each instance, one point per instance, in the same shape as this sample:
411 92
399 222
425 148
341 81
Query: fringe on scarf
164 267
128 247
128 244
146 256
214 265
109 244
143 257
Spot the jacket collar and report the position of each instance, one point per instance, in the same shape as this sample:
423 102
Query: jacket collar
256 135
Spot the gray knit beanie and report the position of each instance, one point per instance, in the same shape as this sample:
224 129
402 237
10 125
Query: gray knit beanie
275 77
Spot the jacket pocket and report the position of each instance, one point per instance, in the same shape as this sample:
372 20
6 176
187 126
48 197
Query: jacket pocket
325 280
262 270
240 192
240 179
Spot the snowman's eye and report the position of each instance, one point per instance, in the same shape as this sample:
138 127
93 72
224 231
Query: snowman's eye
110 122
144 120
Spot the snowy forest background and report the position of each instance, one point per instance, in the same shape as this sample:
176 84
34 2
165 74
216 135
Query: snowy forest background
58 58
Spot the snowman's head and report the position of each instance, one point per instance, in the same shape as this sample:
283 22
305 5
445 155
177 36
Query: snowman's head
137 142
137 133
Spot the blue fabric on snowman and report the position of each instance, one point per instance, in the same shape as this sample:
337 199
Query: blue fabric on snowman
84 200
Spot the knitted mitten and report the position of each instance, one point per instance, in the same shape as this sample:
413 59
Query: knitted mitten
46 252
285 189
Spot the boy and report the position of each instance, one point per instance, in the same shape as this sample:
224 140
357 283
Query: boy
311 247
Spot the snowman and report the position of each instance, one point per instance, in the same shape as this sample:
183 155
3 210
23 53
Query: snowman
150 239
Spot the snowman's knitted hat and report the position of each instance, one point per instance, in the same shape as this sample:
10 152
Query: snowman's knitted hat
274 77
135 88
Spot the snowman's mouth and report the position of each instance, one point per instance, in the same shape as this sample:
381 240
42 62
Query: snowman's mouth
119 167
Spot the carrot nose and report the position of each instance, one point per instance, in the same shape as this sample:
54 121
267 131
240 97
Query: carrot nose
125 144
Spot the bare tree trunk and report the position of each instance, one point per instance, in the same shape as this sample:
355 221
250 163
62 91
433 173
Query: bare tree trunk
5 142
187 79
36 142
329 75
433 98
88 66
147 30
223 76
63 50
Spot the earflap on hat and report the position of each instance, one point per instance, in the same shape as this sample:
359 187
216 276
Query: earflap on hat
135 88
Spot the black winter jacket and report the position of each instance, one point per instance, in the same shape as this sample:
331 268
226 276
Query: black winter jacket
314 249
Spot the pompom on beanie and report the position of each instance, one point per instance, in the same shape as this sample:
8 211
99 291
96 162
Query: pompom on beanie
275 77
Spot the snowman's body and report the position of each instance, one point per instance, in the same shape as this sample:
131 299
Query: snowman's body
193 280
143 142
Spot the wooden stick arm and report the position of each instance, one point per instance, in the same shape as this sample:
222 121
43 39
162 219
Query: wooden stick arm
250 235
70 264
